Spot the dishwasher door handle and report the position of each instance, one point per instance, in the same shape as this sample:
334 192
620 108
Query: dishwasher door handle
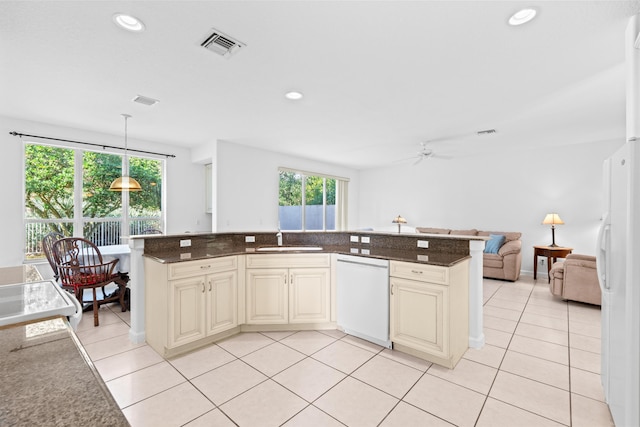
364 264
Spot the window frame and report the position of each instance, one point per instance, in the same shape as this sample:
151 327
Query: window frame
341 202
79 220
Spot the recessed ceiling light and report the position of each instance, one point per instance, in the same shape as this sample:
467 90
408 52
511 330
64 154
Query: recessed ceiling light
128 22
522 16
293 95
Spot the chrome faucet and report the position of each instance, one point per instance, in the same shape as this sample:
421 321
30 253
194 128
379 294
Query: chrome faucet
279 236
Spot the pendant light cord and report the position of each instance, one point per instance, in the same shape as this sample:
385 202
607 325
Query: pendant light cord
126 158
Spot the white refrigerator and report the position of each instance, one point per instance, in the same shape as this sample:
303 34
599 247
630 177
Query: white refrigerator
618 262
618 256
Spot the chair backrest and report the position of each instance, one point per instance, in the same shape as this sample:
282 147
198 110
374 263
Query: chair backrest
47 248
77 259
76 251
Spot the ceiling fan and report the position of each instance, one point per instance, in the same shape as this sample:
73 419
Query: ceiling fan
425 153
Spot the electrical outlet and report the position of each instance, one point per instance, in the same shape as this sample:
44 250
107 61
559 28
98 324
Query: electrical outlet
354 239
365 239
185 243
423 244
542 261
249 239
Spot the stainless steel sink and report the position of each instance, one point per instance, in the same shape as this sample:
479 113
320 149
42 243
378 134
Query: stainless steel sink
288 248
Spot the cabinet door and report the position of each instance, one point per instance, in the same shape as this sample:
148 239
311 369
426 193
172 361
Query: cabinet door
309 295
419 316
186 310
267 301
222 301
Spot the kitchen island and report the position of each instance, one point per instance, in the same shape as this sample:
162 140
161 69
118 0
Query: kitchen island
440 251
47 379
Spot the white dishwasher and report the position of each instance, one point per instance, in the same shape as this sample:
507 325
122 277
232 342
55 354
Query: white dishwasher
363 298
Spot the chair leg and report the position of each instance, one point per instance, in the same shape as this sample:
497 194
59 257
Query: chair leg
123 290
96 307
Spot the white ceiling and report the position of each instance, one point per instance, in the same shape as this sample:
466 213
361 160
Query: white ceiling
379 77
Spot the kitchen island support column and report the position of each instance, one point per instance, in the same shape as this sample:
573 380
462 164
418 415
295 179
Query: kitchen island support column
476 334
136 285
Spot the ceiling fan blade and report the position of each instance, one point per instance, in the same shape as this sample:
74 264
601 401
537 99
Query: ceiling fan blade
421 158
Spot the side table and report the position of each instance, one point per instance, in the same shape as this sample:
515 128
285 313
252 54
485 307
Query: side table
551 252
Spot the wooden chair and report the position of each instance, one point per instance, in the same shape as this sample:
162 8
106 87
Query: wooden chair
80 266
47 248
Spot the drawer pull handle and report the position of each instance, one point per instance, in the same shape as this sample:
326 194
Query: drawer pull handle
203 288
205 266
391 289
416 271
209 285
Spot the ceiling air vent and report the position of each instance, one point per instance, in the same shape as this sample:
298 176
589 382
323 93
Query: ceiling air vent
145 100
486 132
222 44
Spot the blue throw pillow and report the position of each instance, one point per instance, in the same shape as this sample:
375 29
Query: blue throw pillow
494 243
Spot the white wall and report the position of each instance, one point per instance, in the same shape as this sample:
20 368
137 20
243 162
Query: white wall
206 154
247 186
507 191
184 182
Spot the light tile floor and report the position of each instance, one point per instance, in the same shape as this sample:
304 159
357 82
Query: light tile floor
540 367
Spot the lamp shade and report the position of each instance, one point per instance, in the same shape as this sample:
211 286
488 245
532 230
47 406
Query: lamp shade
399 220
125 183
553 219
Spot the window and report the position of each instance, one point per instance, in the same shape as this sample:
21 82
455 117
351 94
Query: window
311 201
67 190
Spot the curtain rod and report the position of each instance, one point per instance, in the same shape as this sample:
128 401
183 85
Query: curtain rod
103 146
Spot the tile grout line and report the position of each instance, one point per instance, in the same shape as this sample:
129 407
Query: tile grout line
380 353
486 396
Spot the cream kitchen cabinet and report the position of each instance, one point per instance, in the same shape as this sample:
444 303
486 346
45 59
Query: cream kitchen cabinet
288 289
429 312
190 301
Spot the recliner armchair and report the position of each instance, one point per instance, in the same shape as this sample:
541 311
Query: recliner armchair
576 279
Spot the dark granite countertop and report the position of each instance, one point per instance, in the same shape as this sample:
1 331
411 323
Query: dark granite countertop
228 248
47 379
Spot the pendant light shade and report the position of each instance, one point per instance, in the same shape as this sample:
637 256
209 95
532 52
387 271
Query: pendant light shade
125 182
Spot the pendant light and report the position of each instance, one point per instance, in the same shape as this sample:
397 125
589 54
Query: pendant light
125 182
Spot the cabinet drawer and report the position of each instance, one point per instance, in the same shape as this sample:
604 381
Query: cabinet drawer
421 272
205 266
288 260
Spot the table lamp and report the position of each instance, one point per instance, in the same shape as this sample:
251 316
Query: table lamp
399 220
553 219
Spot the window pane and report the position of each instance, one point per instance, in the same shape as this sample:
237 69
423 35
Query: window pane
36 229
314 194
290 201
98 171
48 182
145 206
48 194
330 209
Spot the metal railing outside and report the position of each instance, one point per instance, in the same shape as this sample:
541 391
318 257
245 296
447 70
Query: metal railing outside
101 231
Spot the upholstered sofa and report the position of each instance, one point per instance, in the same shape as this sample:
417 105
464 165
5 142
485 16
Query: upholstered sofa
503 265
576 279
